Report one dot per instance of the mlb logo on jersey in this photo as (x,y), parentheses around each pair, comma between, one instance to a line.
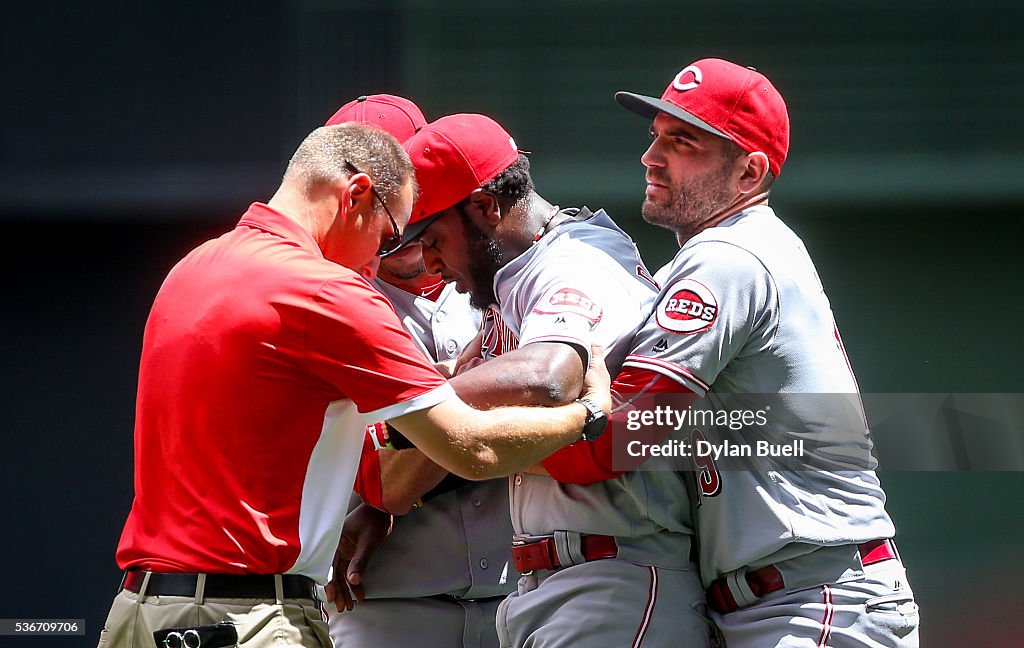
(570,300)
(688,307)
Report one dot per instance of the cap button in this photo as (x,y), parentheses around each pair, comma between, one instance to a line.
(362,98)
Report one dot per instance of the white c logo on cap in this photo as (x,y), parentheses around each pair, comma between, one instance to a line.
(678,84)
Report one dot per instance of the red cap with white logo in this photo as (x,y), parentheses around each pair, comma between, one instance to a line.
(391,113)
(725,99)
(453,156)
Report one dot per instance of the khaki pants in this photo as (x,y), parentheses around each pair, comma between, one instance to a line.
(291,622)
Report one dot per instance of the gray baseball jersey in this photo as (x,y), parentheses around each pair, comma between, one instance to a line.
(457,545)
(584,283)
(742,311)
(441,327)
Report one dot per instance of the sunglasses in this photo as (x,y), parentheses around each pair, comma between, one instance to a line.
(393,242)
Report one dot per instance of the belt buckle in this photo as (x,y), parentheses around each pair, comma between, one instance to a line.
(526,539)
(519,539)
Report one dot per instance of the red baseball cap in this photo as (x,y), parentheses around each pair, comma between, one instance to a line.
(725,99)
(396,115)
(453,156)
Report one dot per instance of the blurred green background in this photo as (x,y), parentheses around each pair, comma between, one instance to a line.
(133,131)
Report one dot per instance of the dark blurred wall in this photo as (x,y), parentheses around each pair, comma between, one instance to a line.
(131,133)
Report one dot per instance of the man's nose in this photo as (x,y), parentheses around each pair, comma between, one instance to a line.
(653,156)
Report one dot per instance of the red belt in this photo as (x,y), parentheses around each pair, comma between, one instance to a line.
(769,579)
(541,553)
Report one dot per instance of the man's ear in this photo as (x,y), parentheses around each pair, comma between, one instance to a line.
(754,169)
(355,190)
(483,208)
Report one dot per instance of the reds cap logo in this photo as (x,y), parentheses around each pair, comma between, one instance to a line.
(570,300)
(688,78)
(688,307)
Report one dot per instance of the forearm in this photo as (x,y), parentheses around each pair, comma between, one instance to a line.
(532,375)
(406,475)
(513,439)
(482,445)
(542,373)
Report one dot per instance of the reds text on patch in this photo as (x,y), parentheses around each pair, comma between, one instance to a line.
(570,300)
(688,307)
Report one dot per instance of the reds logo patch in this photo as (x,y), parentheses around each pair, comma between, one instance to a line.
(688,307)
(570,300)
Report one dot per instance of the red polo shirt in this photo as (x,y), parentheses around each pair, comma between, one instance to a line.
(262,363)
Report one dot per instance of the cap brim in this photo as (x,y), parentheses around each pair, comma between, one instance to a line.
(414,230)
(649,107)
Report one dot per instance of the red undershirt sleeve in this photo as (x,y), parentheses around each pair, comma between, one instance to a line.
(368,480)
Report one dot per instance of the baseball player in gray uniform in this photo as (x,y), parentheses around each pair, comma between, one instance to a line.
(788,557)
(449,599)
(604,564)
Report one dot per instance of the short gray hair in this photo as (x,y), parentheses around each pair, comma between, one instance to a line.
(321,158)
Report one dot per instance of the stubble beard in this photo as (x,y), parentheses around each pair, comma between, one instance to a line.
(692,203)
(485,259)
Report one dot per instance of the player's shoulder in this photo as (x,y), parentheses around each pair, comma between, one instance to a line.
(755,230)
(715,256)
(590,237)
(590,226)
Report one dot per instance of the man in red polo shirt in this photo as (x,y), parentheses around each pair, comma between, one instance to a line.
(264,357)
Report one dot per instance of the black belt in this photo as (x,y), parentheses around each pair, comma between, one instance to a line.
(449,598)
(228,586)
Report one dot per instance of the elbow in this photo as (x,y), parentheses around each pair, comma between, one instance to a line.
(559,380)
(560,392)
(479,465)
(552,387)
(477,472)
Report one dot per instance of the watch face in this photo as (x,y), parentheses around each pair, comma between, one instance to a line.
(596,421)
(595,428)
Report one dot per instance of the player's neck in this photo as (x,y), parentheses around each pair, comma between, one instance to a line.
(519,229)
(739,204)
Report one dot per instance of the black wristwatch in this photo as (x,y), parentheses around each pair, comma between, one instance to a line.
(596,420)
